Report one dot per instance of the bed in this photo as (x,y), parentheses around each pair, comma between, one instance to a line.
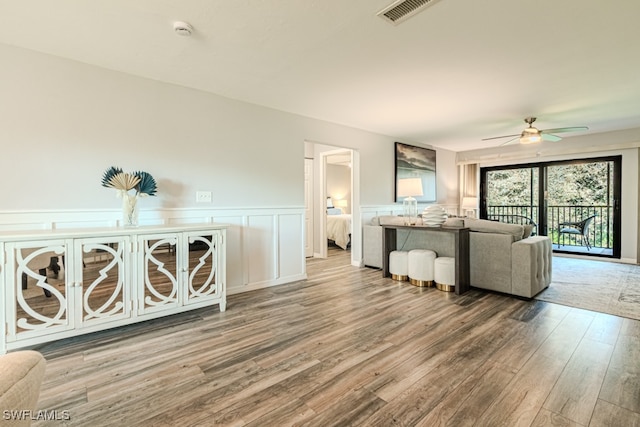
(339,229)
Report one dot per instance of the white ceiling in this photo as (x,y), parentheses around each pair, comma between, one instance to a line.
(459,71)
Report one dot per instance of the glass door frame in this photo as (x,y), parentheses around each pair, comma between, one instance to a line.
(542,219)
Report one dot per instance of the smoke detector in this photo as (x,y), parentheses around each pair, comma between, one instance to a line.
(182,28)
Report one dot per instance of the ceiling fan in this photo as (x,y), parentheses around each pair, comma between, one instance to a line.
(532,135)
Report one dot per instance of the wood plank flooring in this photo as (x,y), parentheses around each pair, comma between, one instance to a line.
(349,348)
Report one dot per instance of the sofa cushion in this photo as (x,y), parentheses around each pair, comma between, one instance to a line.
(485,226)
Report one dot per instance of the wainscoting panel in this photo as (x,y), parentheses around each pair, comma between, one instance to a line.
(265,246)
(291,260)
(237,276)
(261,238)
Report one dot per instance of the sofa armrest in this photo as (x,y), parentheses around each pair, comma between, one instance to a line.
(531,263)
(490,261)
(21,375)
(372,245)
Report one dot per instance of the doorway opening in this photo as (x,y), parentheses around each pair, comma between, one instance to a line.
(336,191)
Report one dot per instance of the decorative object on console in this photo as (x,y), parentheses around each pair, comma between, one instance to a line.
(142,183)
(407,188)
(434,216)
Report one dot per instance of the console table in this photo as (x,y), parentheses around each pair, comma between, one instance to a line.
(461,248)
(108,277)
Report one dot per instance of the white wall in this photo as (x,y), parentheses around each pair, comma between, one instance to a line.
(64,123)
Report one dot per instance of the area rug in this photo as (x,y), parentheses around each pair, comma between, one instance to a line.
(602,286)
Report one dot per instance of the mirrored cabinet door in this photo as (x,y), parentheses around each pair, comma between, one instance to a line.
(57,284)
(37,289)
(201,261)
(158,278)
(103,274)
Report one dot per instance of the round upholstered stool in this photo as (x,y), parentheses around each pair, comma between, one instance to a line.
(445,273)
(421,267)
(399,265)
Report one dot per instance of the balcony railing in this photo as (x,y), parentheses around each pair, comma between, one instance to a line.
(515,215)
(600,231)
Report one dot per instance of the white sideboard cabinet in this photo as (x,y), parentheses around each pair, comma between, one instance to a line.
(61,283)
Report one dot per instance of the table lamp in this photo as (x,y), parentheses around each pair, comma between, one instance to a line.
(408,188)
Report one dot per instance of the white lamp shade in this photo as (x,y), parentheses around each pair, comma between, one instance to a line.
(409,187)
(469,202)
(329,202)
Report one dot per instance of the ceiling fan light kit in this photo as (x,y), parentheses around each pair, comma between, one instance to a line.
(530,139)
(532,135)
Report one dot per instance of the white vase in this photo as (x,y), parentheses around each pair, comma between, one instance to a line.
(434,216)
(129,210)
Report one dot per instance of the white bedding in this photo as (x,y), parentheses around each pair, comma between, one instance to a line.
(339,229)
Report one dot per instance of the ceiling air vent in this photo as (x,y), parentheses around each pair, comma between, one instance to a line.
(403,9)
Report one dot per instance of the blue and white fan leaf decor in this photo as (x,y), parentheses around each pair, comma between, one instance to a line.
(109,174)
(142,184)
(147,185)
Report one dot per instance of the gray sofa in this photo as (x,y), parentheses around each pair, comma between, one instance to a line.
(21,375)
(502,257)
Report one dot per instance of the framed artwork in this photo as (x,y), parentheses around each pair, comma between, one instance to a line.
(416,162)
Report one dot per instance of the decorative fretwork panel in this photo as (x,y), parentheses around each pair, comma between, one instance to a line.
(159,273)
(201,262)
(102,274)
(38,293)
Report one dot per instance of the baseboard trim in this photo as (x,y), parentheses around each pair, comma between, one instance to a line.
(266,284)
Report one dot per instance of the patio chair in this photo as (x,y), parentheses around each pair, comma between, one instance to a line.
(579,228)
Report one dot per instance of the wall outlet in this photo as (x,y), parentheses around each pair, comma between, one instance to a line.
(203,197)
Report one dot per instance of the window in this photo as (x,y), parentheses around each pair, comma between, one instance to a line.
(556,197)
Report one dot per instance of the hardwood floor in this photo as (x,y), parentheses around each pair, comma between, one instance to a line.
(347,347)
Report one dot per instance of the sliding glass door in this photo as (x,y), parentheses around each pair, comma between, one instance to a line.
(576,203)
(512,196)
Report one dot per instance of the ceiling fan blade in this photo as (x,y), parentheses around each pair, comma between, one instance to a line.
(517,137)
(549,137)
(560,130)
(498,137)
